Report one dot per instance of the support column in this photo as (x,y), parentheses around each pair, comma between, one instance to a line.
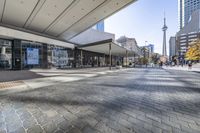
(104,60)
(122,61)
(126,58)
(81,58)
(134,59)
(17,55)
(98,62)
(74,54)
(3,50)
(110,56)
(44,56)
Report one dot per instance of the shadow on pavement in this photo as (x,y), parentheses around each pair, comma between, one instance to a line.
(117,103)
(6,76)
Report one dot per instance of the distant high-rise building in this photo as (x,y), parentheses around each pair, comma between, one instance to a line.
(172,47)
(164,49)
(99,26)
(151,48)
(185,10)
(188,34)
(148,50)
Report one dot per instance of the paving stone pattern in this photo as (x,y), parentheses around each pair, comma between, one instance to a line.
(4,85)
(133,101)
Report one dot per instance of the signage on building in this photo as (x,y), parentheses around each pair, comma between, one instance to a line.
(32,56)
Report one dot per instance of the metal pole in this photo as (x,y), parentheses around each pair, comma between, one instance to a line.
(110,58)
(126,58)
(74,54)
(134,60)
(104,60)
(81,58)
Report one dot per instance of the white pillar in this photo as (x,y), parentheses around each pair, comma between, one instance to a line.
(3,50)
(81,58)
(110,56)
(126,58)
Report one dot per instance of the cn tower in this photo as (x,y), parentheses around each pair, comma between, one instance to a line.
(164,52)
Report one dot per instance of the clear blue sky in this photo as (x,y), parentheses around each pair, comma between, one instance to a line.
(143,20)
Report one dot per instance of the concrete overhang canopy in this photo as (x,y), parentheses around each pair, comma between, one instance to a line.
(62,19)
(103,47)
(16,34)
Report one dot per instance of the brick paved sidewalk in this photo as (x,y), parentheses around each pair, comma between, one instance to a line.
(36,78)
(6,76)
(132,101)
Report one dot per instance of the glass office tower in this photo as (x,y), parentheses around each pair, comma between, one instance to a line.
(185,10)
(99,26)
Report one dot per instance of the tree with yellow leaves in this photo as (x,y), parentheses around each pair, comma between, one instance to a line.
(193,52)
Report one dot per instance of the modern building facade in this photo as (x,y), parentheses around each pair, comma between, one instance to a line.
(130,43)
(172,47)
(151,48)
(90,36)
(188,34)
(184,40)
(185,10)
(36,33)
(126,42)
(147,50)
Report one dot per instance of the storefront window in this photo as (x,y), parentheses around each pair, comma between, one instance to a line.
(31,54)
(34,55)
(5,54)
(59,57)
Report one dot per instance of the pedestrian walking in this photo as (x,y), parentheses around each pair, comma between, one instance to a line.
(160,64)
(190,65)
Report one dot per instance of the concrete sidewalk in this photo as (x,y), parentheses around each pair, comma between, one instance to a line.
(37,78)
(11,75)
(195,68)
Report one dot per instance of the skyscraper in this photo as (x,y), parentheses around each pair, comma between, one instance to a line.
(151,48)
(188,34)
(164,52)
(99,26)
(185,10)
(172,47)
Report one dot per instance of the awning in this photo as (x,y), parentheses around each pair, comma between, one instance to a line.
(62,19)
(103,47)
(16,34)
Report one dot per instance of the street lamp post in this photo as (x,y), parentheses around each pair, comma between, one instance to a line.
(145,49)
(110,56)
